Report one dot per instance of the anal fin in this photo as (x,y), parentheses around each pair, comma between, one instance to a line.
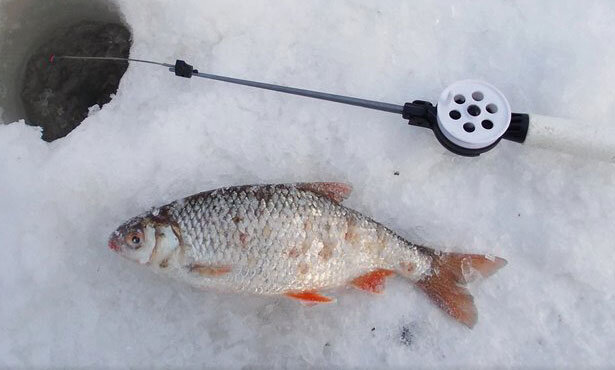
(372,282)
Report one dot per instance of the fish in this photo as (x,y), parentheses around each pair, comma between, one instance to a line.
(293,240)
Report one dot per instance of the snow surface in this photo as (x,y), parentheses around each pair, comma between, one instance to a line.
(67,300)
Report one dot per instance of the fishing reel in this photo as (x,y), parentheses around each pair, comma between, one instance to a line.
(471,117)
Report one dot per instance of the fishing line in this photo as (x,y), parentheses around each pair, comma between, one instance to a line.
(55,58)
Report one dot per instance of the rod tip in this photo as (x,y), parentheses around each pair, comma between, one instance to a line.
(52,58)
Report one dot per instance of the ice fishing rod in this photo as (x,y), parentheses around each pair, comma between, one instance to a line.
(470,117)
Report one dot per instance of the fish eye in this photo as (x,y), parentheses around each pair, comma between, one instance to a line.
(134,239)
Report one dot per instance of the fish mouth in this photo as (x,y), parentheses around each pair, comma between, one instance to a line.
(113,245)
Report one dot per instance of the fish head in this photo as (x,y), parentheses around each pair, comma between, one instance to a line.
(135,239)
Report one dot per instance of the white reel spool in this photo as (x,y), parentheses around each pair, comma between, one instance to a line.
(473,114)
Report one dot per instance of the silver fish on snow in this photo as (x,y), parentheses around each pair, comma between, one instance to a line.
(294,240)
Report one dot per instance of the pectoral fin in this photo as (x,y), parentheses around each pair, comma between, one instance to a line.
(209,270)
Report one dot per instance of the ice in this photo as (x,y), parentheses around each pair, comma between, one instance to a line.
(67,300)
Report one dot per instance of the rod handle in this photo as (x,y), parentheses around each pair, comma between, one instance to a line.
(572,137)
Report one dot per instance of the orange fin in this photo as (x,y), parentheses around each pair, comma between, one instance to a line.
(372,282)
(335,191)
(309,297)
(445,284)
(464,265)
(209,270)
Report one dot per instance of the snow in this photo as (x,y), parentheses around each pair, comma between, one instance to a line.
(67,300)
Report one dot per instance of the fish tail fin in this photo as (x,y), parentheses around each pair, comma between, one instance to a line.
(450,272)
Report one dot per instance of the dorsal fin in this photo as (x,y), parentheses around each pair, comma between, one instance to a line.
(335,191)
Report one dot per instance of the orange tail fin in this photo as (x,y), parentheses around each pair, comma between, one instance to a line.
(445,285)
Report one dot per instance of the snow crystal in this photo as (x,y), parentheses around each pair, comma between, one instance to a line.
(67,300)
